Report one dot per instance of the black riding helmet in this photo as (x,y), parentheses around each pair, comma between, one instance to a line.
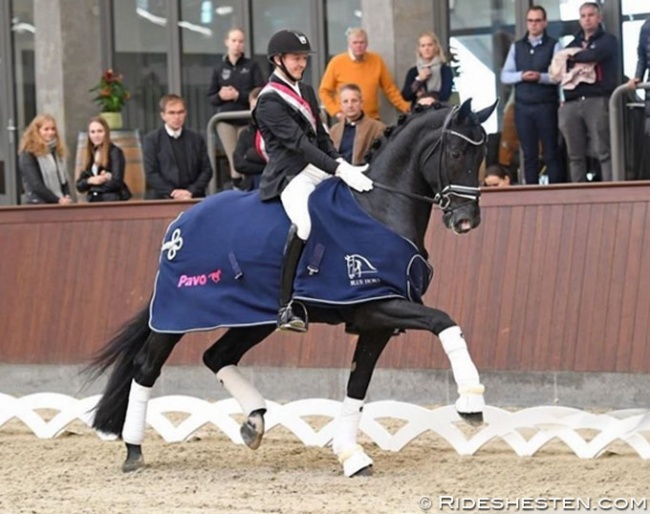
(287,42)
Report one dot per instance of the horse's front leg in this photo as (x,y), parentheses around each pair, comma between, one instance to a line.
(222,358)
(148,364)
(344,444)
(402,314)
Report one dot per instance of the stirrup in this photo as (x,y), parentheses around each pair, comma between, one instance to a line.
(288,320)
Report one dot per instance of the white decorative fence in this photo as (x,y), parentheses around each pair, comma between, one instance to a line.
(631,426)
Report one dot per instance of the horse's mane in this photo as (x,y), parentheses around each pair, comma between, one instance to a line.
(403,122)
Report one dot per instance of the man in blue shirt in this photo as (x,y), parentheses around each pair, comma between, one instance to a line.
(536,97)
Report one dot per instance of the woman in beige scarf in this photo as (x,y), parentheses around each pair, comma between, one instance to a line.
(42,165)
(431,80)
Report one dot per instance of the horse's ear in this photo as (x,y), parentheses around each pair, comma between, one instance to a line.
(484,114)
(464,111)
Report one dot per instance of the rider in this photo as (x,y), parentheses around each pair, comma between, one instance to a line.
(300,154)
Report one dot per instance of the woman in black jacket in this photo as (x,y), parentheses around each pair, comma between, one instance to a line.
(42,164)
(234,77)
(103,173)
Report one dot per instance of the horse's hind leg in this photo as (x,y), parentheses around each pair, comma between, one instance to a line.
(406,315)
(148,364)
(344,444)
(222,358)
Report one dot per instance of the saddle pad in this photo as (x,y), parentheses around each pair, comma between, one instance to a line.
(220,262)
(350,257)
(220,265)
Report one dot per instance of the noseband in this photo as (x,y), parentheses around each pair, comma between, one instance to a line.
(442,198)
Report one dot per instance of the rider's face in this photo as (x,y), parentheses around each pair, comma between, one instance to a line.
(296,64)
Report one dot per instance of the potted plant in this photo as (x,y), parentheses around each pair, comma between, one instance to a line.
(111,97)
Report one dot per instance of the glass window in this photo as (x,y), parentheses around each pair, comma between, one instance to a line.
(23,30)
(203,27)
(635,12)
(481,32)
(340,15)
(269,16)
(141,46)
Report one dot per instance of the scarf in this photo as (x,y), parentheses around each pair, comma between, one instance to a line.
(53,170)
(434,82)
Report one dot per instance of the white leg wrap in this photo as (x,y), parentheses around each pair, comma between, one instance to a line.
(453,342)
(241,389)
(470,389)
(347,425)
(345,446)
(136,414)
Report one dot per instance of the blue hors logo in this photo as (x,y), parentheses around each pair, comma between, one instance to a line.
(173,245)
(358,270)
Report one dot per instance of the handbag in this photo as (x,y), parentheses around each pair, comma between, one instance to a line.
(125,193)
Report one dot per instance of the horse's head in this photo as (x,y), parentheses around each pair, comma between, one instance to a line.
(454,173)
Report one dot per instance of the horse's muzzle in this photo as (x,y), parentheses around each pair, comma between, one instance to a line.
(462,218)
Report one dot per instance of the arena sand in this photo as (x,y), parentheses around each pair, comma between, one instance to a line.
(79,473)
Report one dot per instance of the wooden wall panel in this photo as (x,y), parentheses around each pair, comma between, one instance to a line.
(555,278)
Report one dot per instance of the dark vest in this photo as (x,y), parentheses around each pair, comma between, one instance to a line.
(539,59)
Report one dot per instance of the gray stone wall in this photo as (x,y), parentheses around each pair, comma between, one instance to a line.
(393,27)
(68,64)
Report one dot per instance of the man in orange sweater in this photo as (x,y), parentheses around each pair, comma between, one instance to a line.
(358,66)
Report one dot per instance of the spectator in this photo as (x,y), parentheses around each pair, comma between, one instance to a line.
(176,163)
(536,96)
(353,136)
(643,67)
(300,154)
(103,173)
(584,115)
(42,165)
(358,66)
(248,157)
(497,176)
(431,79)
(232,81)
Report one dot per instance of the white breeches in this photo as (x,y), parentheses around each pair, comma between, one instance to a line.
(295,197)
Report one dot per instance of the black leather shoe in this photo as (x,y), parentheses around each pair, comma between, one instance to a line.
(288,320)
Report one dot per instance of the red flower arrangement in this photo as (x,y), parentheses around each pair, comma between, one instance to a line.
(111,92)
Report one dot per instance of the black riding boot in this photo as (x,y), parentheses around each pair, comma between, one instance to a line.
(287,318)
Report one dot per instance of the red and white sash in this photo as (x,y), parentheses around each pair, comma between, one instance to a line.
(294,100)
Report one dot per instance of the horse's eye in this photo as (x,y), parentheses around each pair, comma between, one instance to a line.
(456,154)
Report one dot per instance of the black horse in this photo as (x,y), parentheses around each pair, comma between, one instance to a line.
(430,159)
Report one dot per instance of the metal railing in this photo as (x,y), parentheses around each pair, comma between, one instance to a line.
(617,127)
(211,140)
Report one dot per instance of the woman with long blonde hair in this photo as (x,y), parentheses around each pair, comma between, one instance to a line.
(431,80)
(104,163)
(41,163)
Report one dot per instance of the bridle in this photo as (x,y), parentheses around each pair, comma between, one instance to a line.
(442,198)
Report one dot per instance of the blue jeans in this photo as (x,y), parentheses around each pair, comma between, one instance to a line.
(538,123)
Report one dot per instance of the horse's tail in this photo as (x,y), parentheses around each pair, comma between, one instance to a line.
(119,352)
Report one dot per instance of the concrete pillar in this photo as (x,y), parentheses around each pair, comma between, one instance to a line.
(393,27)
(68,64)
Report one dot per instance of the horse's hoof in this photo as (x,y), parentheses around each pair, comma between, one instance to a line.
(356,463)
(364,472)
(133,464)
(252,431)
(472,418)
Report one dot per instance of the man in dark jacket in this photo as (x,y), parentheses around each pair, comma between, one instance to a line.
(176,163)
(584,116)
(536,97)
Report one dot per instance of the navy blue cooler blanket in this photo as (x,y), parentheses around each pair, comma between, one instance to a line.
(220,261)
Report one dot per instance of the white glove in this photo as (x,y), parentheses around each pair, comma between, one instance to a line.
(353,176)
